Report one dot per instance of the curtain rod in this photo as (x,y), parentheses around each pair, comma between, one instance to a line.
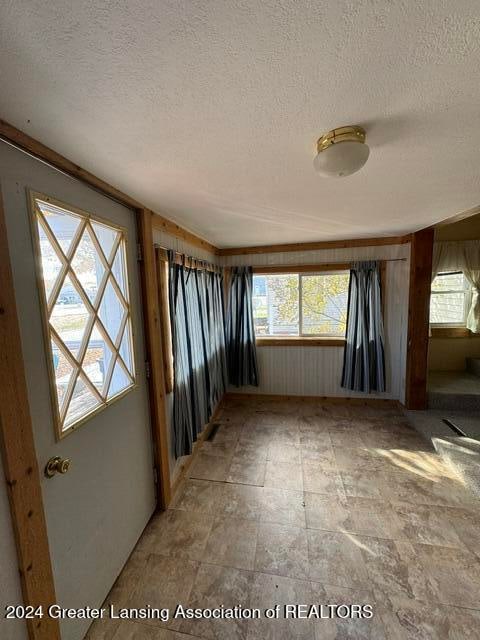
(193,263)
(189,261)
(320,263)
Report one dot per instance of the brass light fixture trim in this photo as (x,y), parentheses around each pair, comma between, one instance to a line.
(352,133)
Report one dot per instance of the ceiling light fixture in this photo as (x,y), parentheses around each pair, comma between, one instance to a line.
(341,152)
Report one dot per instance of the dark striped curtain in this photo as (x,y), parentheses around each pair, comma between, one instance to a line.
(364,355)
(198,346)
(241,347)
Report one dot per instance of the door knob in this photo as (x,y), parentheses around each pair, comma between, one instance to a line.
(57,465)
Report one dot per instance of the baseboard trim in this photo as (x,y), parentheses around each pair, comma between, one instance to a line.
(385,402)
(180,473)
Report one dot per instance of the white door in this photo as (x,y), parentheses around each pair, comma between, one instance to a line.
(97,510)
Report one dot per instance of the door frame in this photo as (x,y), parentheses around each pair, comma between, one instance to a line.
(22,473)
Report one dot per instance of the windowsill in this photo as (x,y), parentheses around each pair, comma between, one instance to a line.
(453,332)
(300,341)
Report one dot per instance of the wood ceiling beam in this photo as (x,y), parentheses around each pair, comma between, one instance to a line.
(315,246)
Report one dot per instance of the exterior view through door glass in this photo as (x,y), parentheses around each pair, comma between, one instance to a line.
(86,310)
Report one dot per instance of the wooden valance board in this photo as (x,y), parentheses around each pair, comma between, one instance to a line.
(189,262)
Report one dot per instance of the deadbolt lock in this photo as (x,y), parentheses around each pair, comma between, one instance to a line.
(57,465)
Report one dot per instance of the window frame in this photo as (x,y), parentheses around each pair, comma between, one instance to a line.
(88,217)
(302,339)
(467,302)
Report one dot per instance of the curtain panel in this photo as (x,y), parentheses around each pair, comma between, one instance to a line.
(471,270)
(241,346)
(198,347)
(364,355)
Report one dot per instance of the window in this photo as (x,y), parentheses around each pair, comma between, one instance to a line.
(450,299)
(301,304)
(83,284)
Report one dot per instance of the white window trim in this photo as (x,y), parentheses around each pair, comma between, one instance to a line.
(467,301)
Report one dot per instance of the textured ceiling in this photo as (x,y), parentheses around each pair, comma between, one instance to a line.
(208,112)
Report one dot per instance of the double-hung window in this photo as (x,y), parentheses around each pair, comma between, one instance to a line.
(450,299)
(300,304)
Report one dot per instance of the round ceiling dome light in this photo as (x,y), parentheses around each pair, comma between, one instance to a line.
(341,152)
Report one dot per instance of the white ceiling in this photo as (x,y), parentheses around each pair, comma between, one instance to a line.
(208,112)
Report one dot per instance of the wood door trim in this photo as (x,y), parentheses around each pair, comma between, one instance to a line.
(418,319)
(22,474)
(154,355)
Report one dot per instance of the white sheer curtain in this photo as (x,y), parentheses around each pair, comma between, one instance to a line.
(436,258)
(461,256)
(472,273)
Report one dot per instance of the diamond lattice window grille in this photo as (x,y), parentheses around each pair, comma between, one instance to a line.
(83,282)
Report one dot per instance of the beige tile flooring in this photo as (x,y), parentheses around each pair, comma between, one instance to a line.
(308,503)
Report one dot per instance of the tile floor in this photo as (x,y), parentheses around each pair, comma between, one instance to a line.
(302,503)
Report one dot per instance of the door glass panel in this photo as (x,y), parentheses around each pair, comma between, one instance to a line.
(106,236)
(81,403)
(70,316)
(88,266)
(120,380)
(125,349)
(63,224)
(51,264)
(118,270)
(111,311)
(97,359)
(85,285)
(63,373)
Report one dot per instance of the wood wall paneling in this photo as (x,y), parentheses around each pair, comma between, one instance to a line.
(20,460)
(173,229)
